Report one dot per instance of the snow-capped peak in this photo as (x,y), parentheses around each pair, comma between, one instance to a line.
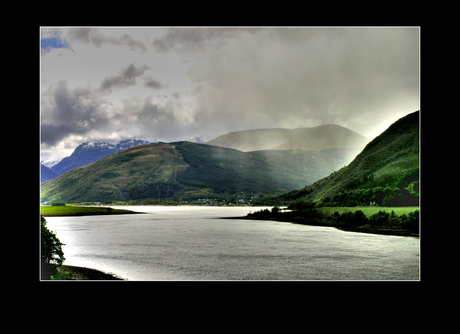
(50,163)
(201,139)
(105,145)
(130,142)
(95,145)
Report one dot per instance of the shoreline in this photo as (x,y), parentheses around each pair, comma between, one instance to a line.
(74,273)
(398,232)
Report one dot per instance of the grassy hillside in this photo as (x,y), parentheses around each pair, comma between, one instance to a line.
(313,139)
(386,170)
(129,173)
(183,169)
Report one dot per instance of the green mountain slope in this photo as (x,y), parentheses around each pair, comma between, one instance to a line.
(177,170)
(313,139)
(140,171)
(385,172)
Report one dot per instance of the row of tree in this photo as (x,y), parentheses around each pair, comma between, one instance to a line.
(305,212)
(381,219)
(375,196)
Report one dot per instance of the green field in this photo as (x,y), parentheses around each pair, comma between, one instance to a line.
(369,210)
(50,211)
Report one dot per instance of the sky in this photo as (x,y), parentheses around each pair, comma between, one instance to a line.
(169,83)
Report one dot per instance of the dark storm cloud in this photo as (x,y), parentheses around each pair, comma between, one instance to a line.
(52,134)
(80,110)
(71,111)
(126,77)
(97,38)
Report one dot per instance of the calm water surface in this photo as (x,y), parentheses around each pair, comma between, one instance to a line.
(191,243)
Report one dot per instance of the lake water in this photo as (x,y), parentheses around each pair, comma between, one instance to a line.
(191,243)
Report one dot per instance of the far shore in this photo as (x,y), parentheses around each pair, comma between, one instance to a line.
(360,229)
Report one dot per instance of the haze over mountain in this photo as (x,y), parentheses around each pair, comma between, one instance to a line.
(313,139)
(386,172)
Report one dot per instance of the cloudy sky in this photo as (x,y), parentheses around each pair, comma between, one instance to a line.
(171,83)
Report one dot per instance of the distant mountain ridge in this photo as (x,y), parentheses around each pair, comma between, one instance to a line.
(46,173)
(89,152)
(312,139)
(50,163)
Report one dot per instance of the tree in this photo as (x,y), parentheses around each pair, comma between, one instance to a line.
(301,206)
(359,218)
(51,246)
(411,220)
(380,218)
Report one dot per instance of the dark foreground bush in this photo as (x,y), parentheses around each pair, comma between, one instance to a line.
(357,218)
(410,221)
(379,219)
(301,206)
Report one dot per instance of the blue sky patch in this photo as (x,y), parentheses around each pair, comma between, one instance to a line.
(52,43)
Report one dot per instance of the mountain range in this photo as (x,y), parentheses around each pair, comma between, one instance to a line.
(309,164)
(316,139)
(185,170)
